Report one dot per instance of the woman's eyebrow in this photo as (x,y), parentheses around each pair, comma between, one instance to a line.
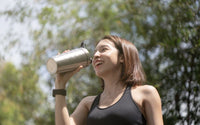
(102,46)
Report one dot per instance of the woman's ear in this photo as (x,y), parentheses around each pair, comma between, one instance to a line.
(121,58)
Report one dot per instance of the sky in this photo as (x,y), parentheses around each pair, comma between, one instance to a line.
(11,55)
(12,31)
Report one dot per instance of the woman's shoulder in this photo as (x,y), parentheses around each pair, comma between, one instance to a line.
(87,101)
(147,91)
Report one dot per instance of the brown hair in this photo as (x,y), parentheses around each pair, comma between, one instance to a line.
(132,71)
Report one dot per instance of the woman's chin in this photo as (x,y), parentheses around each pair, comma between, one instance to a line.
(99,74)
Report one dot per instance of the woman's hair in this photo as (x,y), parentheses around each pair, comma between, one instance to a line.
(132,72)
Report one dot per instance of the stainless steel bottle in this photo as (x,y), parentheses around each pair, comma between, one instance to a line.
(69,61)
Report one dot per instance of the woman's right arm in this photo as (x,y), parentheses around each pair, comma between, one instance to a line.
(61,112)
(79,116)
(62,116)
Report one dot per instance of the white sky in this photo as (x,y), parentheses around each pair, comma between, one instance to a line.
(19,31)
(4,5)
(13,30)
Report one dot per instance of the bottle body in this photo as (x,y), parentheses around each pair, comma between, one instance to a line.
(69,61)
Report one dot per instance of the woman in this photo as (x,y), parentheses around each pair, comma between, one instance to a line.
(124,100)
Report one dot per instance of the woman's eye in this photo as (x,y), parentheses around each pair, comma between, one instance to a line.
(103,49)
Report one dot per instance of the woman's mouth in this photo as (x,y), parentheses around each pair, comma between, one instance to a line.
(97,63)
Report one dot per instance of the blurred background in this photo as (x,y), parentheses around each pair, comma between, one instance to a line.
(166,33)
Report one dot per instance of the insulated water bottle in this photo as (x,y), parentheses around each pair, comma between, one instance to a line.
(69,61)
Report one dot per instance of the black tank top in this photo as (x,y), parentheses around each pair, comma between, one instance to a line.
(123,112)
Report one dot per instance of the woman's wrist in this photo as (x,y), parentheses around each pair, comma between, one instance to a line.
(59,85)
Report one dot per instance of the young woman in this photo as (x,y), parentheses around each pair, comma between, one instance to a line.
(124,100)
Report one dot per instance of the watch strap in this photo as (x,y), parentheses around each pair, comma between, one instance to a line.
(59,92)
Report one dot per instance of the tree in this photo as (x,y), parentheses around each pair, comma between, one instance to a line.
(20,95)
(172,34)
(165,32)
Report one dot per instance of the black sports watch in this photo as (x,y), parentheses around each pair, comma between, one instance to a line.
(59,92)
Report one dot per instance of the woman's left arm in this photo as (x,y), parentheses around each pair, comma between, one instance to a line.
(152,106)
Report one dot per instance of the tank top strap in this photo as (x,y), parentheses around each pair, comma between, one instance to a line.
(128,89)
(95,102)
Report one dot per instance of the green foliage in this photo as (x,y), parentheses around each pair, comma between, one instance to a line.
(20,96)
(175,34)
(10,112)
(166,33)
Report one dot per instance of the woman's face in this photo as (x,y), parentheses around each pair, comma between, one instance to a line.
(106,58)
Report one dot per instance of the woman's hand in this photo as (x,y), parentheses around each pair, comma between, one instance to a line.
(63,78)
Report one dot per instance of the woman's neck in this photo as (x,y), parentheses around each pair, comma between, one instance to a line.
(113,87)
(112,82)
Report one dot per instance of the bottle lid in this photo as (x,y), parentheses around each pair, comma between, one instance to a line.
(51,66)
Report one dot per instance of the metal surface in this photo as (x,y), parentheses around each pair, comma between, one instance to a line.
(69,61)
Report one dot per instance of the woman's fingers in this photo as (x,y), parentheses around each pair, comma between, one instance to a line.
(77,70)
(66,51)
(63,52)
(68,75)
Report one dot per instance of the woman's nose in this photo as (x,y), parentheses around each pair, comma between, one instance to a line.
(96,54)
